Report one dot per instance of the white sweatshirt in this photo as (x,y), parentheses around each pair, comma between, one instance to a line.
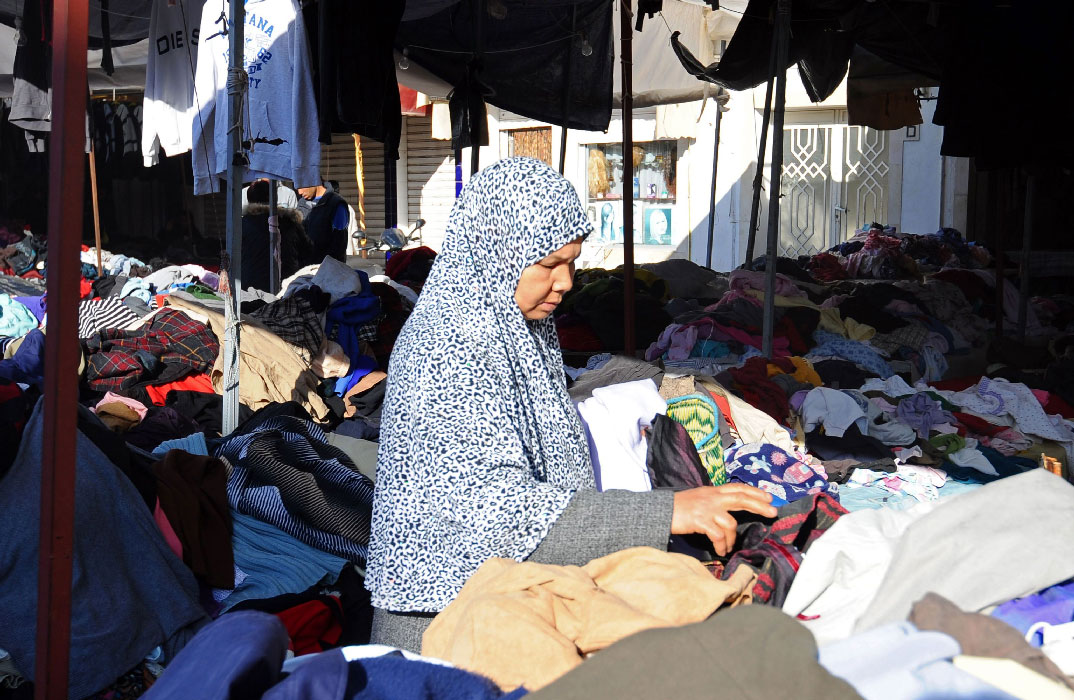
(168,108)
(279,103)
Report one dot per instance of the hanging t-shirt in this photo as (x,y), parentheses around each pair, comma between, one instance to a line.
(169,109)
(280,115)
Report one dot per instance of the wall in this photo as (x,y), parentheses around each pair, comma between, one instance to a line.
(922,165)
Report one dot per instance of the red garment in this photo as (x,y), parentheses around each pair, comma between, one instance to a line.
(753,385)
(725,409)
(32,275)
(959,384)
(85,248)
(825,267)
(313,626)
(578,337)
(400,261)
(1056,404)
(85,288)
(978,425)
(195,382)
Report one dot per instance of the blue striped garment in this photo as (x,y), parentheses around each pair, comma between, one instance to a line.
(285,473)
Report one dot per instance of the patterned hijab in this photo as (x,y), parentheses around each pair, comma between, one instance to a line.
(481,448)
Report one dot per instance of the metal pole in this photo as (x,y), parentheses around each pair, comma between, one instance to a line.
(1027,249)
(783,21)
(96,205)
(391,189)
(1001,266)
(626,28)
(712,195)
(567,90)
(274,237)
(70,24)
(480,10)
(235,92)
(758,178)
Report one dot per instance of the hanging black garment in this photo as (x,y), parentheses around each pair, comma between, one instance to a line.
(326,240)
(354,69)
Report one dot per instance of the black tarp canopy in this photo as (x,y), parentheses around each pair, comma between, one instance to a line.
(1004,69)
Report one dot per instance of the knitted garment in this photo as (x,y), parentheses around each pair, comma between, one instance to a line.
(701,418)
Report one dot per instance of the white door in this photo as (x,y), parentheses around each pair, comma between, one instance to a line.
(835,180)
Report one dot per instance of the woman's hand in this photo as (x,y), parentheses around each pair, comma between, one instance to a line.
(707,511)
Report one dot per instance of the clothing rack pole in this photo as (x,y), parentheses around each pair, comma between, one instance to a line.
(567,92)
(391,189)
(712,194)
(783,30)
(96,206)
(755,207)
(480,10)
(233,258)
(70,29)
(626,28)
(274,237)
(1030,222)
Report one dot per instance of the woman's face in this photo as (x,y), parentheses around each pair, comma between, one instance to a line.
(543,284)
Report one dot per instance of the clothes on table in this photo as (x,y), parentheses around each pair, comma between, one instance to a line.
(130,593)
(833,409)
(270,370)
(672,459)
(15,319)
(1053,605)
(894,557)
(899,661)
(614,418)
(774,550)
(526,624)
(192,493)
(285,473)
(700,415)
(272,563)
(201,383)
(695,659)
(833,345)
(922,414)
(169,347)
(96,315)
(772,469)
(243,655)
(981,635)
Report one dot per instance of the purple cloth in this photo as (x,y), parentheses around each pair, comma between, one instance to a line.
(922,413)
(1054,605)
(36,305)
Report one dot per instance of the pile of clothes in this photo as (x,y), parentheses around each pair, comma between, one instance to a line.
(273,517)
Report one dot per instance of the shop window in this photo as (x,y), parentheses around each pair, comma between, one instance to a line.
(653,187)
(534,143)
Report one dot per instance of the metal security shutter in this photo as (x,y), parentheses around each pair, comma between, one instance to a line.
(430,175)
(338,163)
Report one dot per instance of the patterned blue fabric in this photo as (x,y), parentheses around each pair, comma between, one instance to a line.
(286,474)
(481,448)
(771,469)
(832,345)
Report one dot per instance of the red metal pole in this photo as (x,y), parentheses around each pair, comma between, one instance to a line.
(67,163)
(626,28)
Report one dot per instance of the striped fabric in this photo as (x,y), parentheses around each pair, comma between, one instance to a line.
(700,416)
(286,474)
(96,315)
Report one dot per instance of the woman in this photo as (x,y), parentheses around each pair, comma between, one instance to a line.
(482,453)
